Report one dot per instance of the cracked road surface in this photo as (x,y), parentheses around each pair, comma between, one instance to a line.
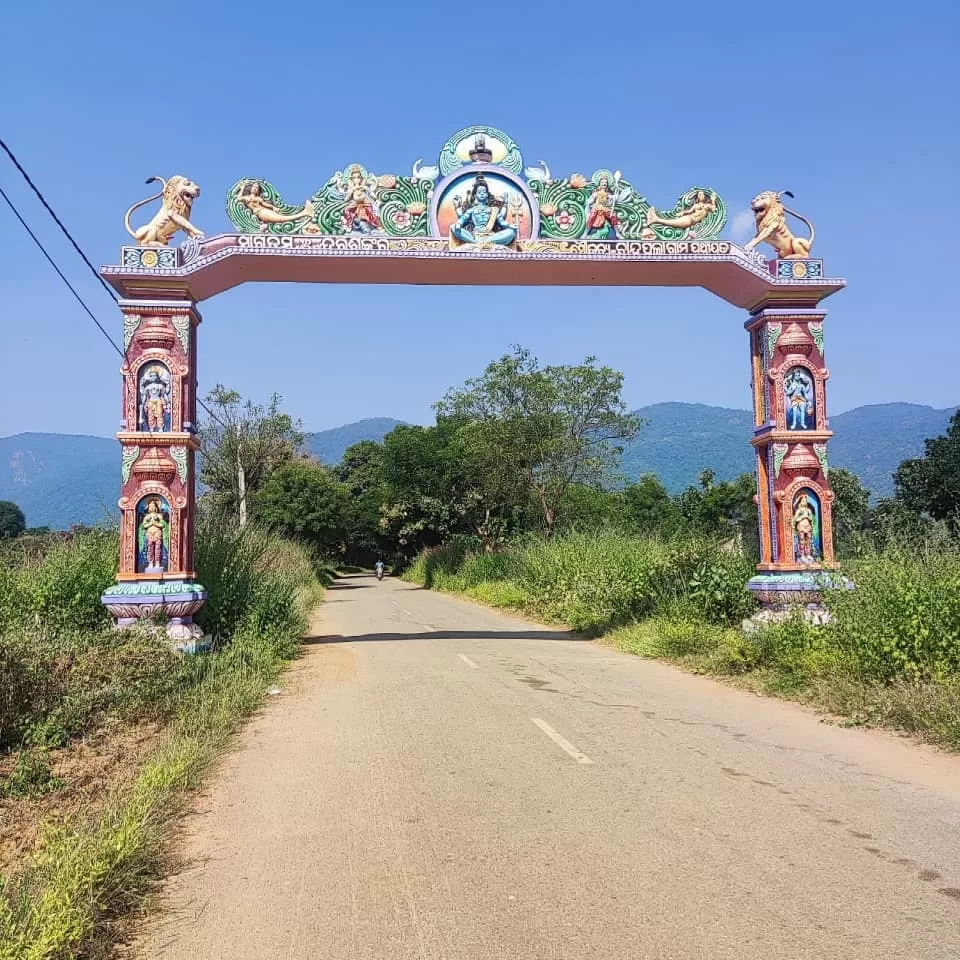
(440,781)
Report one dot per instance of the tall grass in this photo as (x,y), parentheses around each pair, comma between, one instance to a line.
(598,581)
(88,867)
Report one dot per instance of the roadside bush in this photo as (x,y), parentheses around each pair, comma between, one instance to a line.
(252,578)
(598,581)
(58,679)
(902,620)
(60,585)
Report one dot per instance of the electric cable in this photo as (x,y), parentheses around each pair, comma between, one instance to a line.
(76,295)
(59,223)
(53,264)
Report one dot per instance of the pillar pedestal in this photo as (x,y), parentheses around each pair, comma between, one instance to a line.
(156,578)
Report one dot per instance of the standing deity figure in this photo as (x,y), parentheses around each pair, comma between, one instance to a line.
(482,219)
(804,530)
(798,390)
(362,212)
(152,526)
(250,194)
(602,219)
(154,399)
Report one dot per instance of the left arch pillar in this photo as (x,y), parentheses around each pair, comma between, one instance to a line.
(156,576)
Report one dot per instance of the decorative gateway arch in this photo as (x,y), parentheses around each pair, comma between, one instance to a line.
(478,216)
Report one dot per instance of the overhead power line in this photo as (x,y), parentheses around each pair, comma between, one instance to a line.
(72,289)
(58,221)
(53,264)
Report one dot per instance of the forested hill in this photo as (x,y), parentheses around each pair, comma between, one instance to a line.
(58,480)
(328,446)
(680,439)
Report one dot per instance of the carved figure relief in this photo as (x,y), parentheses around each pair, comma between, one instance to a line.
(770,216)
(154,395)
(602,222)
(250,194)
(361,214)
(486,208)
(604,206)
(153,535)
(693,213)
(176,198)
(807,547)
(800,405)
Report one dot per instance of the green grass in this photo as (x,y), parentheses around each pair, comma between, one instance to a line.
(596,582)
(890,656)
(91,868)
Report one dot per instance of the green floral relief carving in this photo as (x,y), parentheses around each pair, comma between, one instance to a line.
(179,456)
(131,321)
(779,452)
(127,459)
(816,331)
(773,335)
(820,449)
(181,323)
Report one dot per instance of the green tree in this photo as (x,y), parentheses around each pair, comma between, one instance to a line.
(552,426)
(726,510)
(361,472)
(12,521)
(240,448)
(930,484)
(586,508)
(441,480)
(304,500)
(851,509)
(648,508)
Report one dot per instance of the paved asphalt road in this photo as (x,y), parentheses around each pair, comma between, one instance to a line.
(440,781)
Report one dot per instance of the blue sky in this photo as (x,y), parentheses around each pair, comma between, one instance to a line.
(851,107)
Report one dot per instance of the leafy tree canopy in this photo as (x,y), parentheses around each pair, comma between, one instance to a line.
(931,484)
(552,427)
(303,499)
(12,521)
(241,447)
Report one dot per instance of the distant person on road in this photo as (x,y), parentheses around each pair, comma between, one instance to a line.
(378,568)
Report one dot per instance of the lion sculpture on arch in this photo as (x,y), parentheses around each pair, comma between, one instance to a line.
(770,215)
(176,198)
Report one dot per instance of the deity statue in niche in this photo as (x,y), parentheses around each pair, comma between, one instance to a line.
(153,535)
(362,212)
(250,194)
(798,393)
(602,219)
(155,390)
(806,527)
(482,218)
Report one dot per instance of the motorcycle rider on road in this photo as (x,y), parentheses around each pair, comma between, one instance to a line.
(378,568)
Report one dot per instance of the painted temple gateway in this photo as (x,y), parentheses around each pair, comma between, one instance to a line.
(478,215)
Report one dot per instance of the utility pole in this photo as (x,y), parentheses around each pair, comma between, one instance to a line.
(241,481)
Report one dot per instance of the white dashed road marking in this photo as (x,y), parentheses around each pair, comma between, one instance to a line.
(467,660)
(560,742)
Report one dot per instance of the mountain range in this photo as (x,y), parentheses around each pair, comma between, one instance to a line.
(58,480)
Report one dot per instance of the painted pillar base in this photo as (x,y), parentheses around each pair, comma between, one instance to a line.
(172,601)
(802,588)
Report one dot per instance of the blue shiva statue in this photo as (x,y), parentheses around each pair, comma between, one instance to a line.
(798,390)
(483,219)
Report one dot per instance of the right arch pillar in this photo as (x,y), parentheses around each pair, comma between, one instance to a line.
(791,433)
